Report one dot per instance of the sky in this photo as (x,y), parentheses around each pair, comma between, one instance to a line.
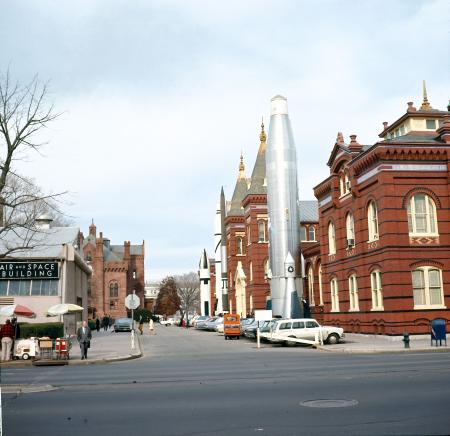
(159,98)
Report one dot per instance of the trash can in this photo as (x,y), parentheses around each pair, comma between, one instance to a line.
(438,331)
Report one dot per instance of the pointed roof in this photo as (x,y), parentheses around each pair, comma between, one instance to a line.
(258,179)
(240,191)
(426,106)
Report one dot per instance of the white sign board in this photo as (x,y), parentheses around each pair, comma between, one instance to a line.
(263,315)
(132,301)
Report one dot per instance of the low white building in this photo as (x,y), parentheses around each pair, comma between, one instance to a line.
(50,271)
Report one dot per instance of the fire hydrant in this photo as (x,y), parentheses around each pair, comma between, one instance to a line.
(406,339)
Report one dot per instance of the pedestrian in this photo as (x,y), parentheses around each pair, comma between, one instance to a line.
(84,339)
(105,322)
(141,325)
(7,335)
(110,321)
(97,324)
(151,326)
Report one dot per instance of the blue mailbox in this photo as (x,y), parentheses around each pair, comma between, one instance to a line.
(438,332)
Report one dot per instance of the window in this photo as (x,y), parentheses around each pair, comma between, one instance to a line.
(261,231)
(334,295)
(350,225)
(19,287)
(320,285)
(302,233)
(49,287)
(248,235)
(114,290)
(344,184)
(372,221)
(239,246)
(353,291)
(377,296)
(3,287)
(266,269)
(422,215)
(298,325)
(311,324)
(427,288)
(331,239)
(285,326)
(431,124)
(311,286)
(251,271)
(311,233)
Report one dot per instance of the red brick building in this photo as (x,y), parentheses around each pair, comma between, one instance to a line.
(383,261)
(117,271)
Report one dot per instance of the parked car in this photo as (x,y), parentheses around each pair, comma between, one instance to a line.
(247,323)
(123,325)
(251,329)
(210,324)
(199,319)
(303,328)
(201,325)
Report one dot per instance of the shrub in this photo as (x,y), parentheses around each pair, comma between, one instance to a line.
(51,329)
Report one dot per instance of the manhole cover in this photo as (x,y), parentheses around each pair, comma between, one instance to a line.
(329,403)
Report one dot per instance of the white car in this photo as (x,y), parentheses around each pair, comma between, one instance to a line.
(302,328)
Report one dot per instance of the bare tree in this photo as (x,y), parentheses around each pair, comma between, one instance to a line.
(24,112)
(188,287)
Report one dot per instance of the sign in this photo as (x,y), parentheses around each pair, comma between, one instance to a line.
(132,301)
(28,270)
(263,315)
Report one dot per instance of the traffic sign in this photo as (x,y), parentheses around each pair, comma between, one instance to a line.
(132,301)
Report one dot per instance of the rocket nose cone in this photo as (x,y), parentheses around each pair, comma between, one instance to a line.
(278,105)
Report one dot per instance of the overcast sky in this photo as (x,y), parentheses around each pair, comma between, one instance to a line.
(160,97)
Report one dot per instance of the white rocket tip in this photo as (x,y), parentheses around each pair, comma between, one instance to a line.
(278,105)
(289,258)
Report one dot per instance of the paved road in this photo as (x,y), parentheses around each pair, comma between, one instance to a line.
(196,383)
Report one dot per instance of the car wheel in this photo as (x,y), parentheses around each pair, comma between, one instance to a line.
(25,356)
(333,339)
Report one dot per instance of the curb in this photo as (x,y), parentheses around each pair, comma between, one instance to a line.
(28,363)
(26,389)
(375,351)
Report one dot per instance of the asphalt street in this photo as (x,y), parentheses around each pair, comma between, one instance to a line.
(196,383)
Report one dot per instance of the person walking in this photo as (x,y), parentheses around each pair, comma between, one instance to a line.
(97,324)
(141,325)
(105,322)
(7,335)
(84,338)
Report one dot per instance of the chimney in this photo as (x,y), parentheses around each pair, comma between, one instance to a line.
(43,221)
(411,108)
(354,145)
(385,125)
(106,242)
(99,246)
(126,250)
(340,138)
(444,130)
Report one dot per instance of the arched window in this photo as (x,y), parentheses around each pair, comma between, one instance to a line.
(331,238)
(113,290)
(251,271)
(311,286)
(422,215)
(334,295)
(353,291)
(302,233)
(377,295)
(372,221)
(344,183)
(311,233)
(239,245)
(319,273)
(350,226)
(261,231)
(427,288)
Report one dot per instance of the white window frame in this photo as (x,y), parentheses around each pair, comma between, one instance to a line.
(425,270)
(353,293)
(248,235)
(239,246)
(334,295)
(303,234)
(262,226)
(331,238)
(377,290)
(350,226)
(344,184)
(311,286)
(251,271)
(430,216)
(313,229)
(372,221)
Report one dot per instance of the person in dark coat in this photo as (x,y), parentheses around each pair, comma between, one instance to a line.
(84,336)
(105,322)
(97,324)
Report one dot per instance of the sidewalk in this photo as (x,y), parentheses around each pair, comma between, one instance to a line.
(105,347)
(359,343)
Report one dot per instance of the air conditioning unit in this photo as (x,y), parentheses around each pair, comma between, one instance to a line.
(350,243)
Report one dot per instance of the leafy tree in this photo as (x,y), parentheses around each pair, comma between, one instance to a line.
(168,301)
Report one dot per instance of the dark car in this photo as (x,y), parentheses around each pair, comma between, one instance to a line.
(123,325)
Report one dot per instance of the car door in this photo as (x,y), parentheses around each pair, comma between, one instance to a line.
(285,328)
(312,327)
(299,330)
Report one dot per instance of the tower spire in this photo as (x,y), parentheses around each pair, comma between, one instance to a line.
(241,167)
(262,135)
(426,106)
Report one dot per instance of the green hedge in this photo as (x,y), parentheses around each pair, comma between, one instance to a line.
(51,329)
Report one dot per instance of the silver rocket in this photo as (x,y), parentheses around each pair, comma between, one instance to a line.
(205,285)
(218,261)
(282,199)
(223,252)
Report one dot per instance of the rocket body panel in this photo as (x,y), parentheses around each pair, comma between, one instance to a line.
(205,284)
(282,199)
(218,260)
